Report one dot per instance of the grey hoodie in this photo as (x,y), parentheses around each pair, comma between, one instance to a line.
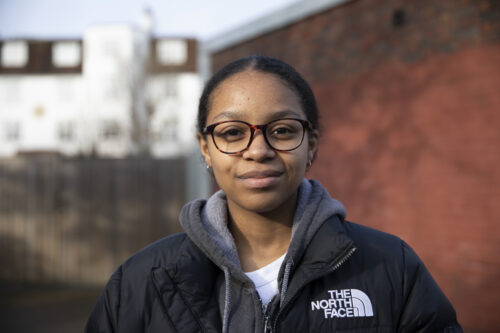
(205,222)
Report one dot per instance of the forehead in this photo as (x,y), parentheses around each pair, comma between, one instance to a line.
(254,96)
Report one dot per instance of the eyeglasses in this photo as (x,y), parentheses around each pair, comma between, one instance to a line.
(235,136)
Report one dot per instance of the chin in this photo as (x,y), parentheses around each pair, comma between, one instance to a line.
(263,202)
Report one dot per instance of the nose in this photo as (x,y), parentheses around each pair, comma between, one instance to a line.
(259,150)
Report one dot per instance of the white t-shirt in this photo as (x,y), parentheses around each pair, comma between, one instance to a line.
(266,279)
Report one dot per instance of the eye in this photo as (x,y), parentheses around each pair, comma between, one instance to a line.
(230,133)
(282,130)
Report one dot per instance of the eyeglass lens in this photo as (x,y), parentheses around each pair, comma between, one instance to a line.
(235,136)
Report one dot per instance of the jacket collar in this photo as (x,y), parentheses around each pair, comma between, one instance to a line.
(328,248)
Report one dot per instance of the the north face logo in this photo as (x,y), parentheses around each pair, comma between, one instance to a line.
(344,303)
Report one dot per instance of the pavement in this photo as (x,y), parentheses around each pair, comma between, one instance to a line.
(45,308)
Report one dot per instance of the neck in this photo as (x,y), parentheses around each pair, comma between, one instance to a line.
(261,238)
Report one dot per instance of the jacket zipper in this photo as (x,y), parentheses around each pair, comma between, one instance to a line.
(339,263)
(265,312)
(267,326)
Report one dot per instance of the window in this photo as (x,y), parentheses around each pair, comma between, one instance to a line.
(14,54)
(65,131)
(66,54)
(12,131)
(171,51)
(111,130)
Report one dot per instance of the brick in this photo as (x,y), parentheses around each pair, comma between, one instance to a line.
(410,118)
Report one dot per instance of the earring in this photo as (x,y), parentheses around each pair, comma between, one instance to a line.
(207,166)
(309,163)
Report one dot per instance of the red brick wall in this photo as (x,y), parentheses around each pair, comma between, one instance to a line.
(415,151)
(411,130)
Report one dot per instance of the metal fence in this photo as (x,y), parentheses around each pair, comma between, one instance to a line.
(75,220)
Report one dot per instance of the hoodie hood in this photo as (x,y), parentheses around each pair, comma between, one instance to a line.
(205,222)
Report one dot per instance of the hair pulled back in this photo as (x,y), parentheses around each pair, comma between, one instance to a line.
(266,65)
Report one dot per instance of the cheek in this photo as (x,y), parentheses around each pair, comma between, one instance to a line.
(296,164)
(221,164)
(213,154)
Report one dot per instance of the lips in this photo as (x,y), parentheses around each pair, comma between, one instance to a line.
(260,179)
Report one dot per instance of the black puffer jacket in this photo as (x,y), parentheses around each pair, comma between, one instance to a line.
(337,277)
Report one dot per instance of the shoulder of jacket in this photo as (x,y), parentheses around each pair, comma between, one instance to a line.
(362,231)
(376,242)
(162,252)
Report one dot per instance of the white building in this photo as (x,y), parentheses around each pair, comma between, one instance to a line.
(115,92)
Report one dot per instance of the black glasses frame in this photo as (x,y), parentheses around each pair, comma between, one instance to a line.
(306,125)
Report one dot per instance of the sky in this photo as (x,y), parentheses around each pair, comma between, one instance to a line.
(204,19)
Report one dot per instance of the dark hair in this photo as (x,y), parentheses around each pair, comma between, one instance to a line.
(266,65)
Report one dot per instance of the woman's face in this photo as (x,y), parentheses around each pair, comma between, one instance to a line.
(259,179)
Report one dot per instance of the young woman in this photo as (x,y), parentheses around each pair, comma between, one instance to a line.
(270,251)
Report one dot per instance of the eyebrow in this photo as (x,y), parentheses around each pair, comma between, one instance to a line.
(228,114)
(237,115)
(286,113)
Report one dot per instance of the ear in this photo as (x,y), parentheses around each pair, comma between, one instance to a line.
(204,148)
(313,141)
